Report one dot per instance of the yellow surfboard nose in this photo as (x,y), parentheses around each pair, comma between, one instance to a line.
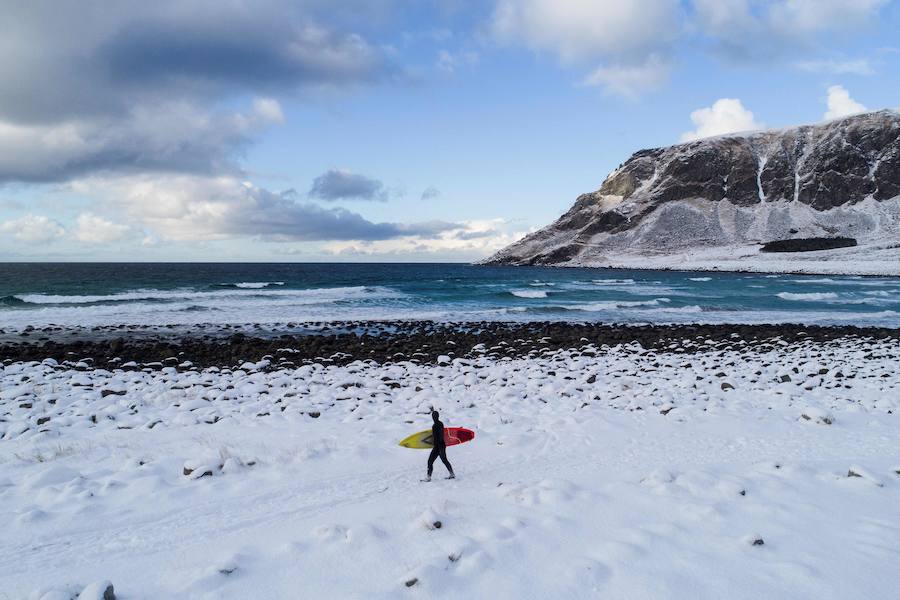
(420,440)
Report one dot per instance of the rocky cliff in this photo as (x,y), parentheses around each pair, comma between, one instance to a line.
(716,200)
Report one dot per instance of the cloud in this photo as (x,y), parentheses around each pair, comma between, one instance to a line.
(748,30)
(824,15)
(341,184)
(840,104)
(172,136)
(430,193)
(267,110)
(475,234)
(630,81)
(93,229)
(726,115)
(837,67)
(586,30)
(449,62)
(188,208)
(471,239)
(87,58)
(89,88)
(621,41)
(34,229)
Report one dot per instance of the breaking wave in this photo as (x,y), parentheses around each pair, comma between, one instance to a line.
(810,297)
(186,294)
(249,285)
(528,293)
(612,281)
(615,304)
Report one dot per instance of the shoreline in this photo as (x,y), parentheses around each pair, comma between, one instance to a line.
(423,342)
(698,269)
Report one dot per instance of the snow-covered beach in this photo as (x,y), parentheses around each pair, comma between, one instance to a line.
(716,466)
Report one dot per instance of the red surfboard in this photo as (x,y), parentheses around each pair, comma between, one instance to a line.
(452,437)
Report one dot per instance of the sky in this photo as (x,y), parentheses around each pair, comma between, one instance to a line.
(385,130)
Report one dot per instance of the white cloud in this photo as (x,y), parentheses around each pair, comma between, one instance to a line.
(630,81)
(837,67)
(621,40)
(750,29)
(94,229)
(824,15)
(721,17)
(840,104)
(35,229)
(449,62)
(201,208)
(585,29)
(726,115)
(471,240)
(268,109)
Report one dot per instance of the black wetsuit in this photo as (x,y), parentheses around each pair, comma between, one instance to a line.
(440,448)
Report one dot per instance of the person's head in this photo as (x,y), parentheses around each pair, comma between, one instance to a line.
(435,415)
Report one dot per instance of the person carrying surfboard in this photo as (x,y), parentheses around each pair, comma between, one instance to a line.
(440,447)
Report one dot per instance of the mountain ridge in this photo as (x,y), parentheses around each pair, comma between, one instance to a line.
(735,192)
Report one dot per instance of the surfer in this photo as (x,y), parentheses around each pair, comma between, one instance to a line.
(440,447)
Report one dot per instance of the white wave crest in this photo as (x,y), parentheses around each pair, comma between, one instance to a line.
(314,294)
(528,293)
(612,281)
(255,285)
(700,278)
(810,297)
(615,304)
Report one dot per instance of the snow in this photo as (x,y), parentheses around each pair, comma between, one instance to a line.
(877,259)
(654,480)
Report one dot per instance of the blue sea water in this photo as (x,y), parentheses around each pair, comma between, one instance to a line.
(186,294)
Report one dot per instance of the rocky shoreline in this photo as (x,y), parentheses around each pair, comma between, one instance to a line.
(386,342)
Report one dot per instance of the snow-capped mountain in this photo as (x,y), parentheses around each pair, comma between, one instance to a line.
(710,204)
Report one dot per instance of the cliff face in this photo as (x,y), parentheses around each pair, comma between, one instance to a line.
(840,178)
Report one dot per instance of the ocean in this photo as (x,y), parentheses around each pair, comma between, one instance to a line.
(94,294)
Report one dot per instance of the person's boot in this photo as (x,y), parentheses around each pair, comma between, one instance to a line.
(427,478)
(452,476)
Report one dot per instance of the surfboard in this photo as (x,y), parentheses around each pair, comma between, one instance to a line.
(452,437)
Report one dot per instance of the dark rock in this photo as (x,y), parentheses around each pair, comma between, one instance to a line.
(808,244)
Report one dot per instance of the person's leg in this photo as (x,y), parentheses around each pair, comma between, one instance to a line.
(446,462)
(431,458)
